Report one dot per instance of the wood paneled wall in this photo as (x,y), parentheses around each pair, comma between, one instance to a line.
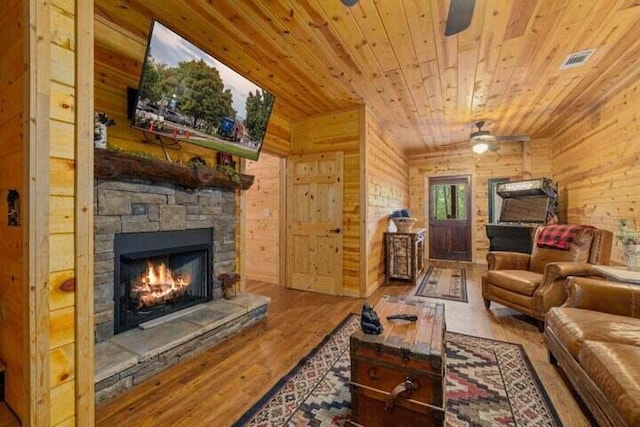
(595,162)
(264,219)
(13,282)
(61,218)
(339,131)
(512,160)
(386,186)
(119,54)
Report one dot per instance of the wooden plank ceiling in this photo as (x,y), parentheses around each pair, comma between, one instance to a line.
(318,56)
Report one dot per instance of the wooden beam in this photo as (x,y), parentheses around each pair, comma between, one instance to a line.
(117,165)
(37,146)
(84,336)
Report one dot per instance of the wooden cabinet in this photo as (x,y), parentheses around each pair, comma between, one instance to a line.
(405,254)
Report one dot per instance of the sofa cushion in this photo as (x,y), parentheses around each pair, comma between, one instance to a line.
(573,326)
(615,369)
(519,281)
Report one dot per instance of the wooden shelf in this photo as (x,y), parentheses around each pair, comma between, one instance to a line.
(119,165)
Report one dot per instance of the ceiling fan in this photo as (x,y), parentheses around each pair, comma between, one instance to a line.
(482,140)
(458,19)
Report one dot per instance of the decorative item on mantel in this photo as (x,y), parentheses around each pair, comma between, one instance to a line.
(100,124)
(630,240)
(402,220)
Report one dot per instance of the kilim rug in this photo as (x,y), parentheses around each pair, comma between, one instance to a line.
(489,383)
(444,283)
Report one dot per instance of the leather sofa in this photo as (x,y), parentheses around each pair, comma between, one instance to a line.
(595,339)
(534,283)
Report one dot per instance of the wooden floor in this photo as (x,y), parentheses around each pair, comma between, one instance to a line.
(217,386)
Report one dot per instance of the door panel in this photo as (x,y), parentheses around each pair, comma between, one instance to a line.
(314,223)
(450,218)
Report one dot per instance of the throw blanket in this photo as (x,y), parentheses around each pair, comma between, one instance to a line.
(559,236)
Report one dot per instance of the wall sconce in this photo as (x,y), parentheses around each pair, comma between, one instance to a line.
(13,208)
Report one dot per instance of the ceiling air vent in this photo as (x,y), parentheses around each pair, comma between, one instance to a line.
(576,59)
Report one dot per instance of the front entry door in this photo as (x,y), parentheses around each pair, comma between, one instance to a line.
(314,223)
(450,218)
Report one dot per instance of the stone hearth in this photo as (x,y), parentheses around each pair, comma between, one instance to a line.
(133,356)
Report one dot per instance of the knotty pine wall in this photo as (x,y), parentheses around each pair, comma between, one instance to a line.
(13,281)
(39,128)
(64,129)
(596,163)
(264,219)
(339,131)
(513,160)
(386,186)
(119,53)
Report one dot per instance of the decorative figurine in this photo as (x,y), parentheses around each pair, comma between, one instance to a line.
(100,125)
(369,321)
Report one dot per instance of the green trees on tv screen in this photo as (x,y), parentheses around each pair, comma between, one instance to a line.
(196,90)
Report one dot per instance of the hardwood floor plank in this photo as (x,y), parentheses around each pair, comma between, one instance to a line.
(217,386)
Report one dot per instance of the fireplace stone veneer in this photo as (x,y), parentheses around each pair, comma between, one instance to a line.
(136,207)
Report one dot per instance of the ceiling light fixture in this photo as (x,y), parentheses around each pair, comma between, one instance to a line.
(349,3)
(480,147)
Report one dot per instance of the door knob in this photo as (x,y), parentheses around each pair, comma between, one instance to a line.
(335,230)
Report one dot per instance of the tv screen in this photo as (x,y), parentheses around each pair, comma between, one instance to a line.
(188,95)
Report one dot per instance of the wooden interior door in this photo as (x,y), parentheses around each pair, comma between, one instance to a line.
(450,218)
(314,223)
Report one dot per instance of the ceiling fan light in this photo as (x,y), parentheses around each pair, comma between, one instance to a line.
(349,3)
(480,147)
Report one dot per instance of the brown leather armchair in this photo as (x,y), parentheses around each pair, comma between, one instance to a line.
(534,283)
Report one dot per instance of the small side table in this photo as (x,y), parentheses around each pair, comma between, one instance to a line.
(619,274)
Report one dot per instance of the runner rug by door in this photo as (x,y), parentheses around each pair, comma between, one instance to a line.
(444,283)
(489,383)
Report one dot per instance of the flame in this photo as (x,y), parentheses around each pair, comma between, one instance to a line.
(158,285)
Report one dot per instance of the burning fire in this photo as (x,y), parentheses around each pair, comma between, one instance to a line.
(158,286)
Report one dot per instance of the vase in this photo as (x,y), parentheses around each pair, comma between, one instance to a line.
(632,256)
(100,135)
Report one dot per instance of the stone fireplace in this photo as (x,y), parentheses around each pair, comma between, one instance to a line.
(136,222)
(183,240)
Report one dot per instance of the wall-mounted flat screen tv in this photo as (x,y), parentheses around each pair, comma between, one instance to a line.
(188,95)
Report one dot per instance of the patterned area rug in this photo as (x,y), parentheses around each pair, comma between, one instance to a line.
(489,383)
(444,283)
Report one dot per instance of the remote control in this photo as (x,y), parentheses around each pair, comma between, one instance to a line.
(409,317)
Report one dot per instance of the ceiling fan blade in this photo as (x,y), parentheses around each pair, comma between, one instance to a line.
(514,138)
(459,18)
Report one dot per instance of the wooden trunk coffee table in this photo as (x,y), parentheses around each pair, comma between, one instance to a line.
(398,377)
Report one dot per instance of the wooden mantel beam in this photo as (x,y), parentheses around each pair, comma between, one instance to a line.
(112,165)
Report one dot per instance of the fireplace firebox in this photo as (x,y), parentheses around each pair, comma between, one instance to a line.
(159,273)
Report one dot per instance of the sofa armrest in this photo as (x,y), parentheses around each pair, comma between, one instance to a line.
(560,270)
(622,299)
(498,260)
(552,291)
